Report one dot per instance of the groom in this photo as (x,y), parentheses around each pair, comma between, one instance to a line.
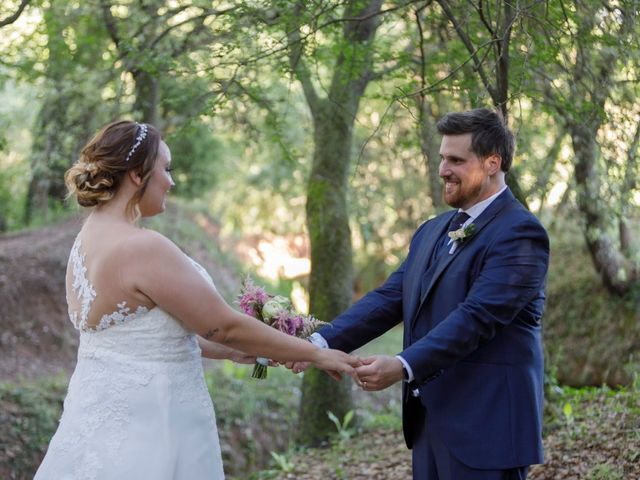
(470,295)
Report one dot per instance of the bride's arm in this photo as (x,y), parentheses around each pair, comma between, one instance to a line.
(216,351)
(160,271)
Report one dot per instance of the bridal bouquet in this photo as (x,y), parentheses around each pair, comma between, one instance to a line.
(277,312)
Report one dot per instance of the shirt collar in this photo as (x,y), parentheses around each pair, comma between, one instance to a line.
(475,210)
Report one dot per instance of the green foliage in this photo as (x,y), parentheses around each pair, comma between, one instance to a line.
(15,118)
(11,181)
(255,417)
(284,464)
(567,411)
(579,314)
(344,428)
(598,423)
(195,153)
(605,471)
(29,414)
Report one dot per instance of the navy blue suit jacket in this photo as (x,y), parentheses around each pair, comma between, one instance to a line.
(473,339)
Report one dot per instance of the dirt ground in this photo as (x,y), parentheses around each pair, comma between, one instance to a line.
(35,334)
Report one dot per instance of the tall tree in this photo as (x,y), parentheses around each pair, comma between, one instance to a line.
(593,66)
(71,103)
(152,36)
(333,115)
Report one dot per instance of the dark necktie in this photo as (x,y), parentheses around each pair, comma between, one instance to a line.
(456,222)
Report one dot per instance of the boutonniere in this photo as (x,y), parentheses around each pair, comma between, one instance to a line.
(463,233)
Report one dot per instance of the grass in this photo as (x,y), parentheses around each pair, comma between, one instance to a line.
(29,413)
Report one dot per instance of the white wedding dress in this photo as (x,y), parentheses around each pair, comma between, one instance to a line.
(137,406)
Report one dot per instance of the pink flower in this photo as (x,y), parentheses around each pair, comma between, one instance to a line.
(252,298)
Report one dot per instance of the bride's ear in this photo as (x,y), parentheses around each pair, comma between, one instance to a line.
(136,177)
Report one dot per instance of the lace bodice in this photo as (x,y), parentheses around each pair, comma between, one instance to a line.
(87,294)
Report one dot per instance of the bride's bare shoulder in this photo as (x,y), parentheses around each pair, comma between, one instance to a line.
(145,243)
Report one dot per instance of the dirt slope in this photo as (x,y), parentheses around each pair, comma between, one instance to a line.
(35,337)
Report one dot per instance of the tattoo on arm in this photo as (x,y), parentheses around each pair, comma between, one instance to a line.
(210,333)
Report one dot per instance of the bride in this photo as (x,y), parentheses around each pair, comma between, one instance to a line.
(137,406)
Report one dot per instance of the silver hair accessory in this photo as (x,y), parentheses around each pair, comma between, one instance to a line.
(142,134)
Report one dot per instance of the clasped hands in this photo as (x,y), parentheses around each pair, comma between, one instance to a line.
(373,373)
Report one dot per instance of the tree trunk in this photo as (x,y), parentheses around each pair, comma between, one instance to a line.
(624,233)
(331,278)
(590,88)
(147,96)
(430,146)
(617,272)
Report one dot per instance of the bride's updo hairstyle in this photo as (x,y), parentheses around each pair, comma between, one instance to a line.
(119,147)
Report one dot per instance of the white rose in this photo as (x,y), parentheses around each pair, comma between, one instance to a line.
(274,306)
(457,234)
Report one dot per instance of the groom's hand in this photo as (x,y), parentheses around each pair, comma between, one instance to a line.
(379,372)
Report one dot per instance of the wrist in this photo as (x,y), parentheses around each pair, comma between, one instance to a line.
(407,372)
(316,355)
(400,372)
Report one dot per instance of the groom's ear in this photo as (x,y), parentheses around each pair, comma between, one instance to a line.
(492,163)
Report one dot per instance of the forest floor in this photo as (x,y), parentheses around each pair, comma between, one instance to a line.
(595,437)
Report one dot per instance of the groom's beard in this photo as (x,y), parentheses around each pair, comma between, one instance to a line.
(460,195)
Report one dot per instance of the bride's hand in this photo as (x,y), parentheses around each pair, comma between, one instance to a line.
(243,358)
(335,363)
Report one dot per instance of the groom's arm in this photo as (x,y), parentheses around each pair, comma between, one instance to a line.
(375,313)
(368,318)
(371,316)
(512,278)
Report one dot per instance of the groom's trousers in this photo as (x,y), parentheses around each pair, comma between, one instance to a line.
(432,460)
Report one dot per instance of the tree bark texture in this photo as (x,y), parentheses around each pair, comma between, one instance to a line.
(593,72)
(617,272)
(147,96)
(331,278)
(430,146)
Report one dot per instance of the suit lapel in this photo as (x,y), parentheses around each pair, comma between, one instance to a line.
(482,221)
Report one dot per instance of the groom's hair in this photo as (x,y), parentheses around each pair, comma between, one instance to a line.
(489,133)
